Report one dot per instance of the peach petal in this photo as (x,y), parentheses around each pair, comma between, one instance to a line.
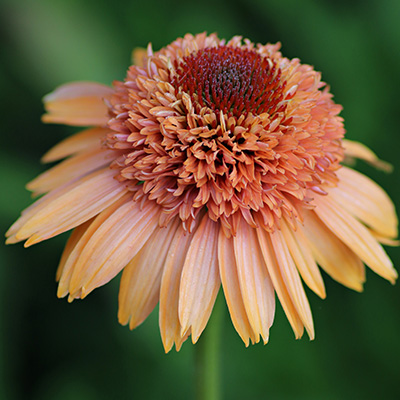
(355,149)
(366,201)
(255,283)
(70,169)
(78,104)
(279,284)
(356,236)
(200,279)
(39,206)
(231,287)
(170,327)
(82,141)
(73,256)
(285,266)
(116,241)
(338,261)
(76,235)
(303,258)
(33,209)
(141,278)
(139,54)
(85,199)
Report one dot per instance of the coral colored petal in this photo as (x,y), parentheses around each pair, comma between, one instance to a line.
(231,287)
(33,209)
(365,200)
(85,199)
(70,169)
(356,236)
(76,235)
(116,241)
(39,206)
(170,327)
(78,104)
(290,277)
(255,283)
(303,259)
(279,284)
(81,141)
(200,279)
(332,254)
(354,149)
(74,254)
(141,278)
(139,54)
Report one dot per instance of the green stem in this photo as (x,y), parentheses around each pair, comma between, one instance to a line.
(207,357)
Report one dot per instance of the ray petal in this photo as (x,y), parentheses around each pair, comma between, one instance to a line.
(338,261)
(170,327)
(255,282)
(279,252)
(355,149)
(279,284)
(84,199)
(76,235)
(141,278)
(200,279)
(116,241)
(303,258)
(78,104)
(365,200)
(81,141)
(231,287)
(71,257)
(70,169)
(356,236)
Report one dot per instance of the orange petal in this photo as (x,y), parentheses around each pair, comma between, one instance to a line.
(279,284)
(303,258)
(70,169)
(365,200)
(83,200)
(69,247)
(139,55)
(255,283)
(356,236)
(332,255)
(231,287)
(33,209)
(116,241)
(200,279)
(354,149)
(81,141)
(141,278)
(74,254)
(286,280)
(170,327)
(78,104)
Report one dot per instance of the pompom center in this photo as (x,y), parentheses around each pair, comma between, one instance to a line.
(233,80)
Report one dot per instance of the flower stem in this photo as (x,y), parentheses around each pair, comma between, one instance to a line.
(207,360)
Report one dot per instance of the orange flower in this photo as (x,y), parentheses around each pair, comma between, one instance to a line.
(213,162)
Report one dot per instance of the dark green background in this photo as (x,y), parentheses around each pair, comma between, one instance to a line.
(54,350)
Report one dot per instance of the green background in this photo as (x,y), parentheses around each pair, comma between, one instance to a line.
(54,350)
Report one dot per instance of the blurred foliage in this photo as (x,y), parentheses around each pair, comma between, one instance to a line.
(54,350)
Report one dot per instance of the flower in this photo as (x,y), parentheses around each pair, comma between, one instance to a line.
(214,162)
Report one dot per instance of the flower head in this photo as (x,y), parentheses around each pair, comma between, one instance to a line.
(212,162)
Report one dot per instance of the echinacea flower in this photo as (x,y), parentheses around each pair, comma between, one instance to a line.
(214,162)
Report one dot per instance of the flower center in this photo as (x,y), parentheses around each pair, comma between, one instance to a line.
(233,80)
(256,140)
